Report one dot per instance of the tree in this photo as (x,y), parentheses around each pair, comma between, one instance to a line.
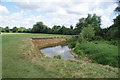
(80,25)
(21,29)
(56,29)
(29,30)
(39,27)
(87,33)
(14,29)
(71,27)
(113,29)
(6,29)
(93,20)
(117,9)
(2,29)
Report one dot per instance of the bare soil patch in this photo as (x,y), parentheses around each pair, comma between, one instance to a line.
(45,42)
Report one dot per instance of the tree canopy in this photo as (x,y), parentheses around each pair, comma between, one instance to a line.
(92,20)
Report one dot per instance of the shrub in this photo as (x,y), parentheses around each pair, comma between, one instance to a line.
(77,50)
(57,57)
(72,42)
(114,42)
(101,52)
(87,32)
(97,38)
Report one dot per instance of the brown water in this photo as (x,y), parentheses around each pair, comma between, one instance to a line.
(63,51)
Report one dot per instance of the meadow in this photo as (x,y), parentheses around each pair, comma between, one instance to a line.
(17,63)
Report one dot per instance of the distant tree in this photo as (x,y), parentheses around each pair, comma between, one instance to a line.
(62,30)
(29,30)
(56,29)
(21,29)
(39,27)
(14,29)
(2,29)
(71,27)
(6,29)
(48,30)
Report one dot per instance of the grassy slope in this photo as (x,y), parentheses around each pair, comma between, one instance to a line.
(101,51)
(17,63)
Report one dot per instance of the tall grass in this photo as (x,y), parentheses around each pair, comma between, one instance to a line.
(100,52)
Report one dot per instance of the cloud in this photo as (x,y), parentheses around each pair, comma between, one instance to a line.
(57,1)
(18,19)
(59,12)
(3,10)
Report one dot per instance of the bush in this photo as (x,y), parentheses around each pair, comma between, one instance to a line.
(97,38)
(101,52)
(57,57)
(72,42)
(114,42)
(77,50)
(87,33)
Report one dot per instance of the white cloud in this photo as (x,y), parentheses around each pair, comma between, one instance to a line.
(57,1)
(3,10)
(58,12)
(18,19)
(106,22)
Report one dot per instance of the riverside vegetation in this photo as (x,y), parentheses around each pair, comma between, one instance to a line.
(21,59)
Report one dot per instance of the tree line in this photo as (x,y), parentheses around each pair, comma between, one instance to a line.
(89,27)
(15,30)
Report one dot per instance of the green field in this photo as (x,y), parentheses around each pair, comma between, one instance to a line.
(17,64)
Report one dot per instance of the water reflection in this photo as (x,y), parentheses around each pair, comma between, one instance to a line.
(63,51)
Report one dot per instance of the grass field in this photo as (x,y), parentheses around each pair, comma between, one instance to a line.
(18,64)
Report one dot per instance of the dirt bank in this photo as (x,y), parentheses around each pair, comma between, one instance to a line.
(45,42)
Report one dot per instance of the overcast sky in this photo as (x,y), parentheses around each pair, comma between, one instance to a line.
(54,12)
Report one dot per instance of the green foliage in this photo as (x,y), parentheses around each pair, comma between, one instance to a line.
(15,29)
(97,38)
(57,57)
(62,30)
(93,20)
(0,29)
(117,9)
(113,30)
(16,64)
(39,27)
(78,50)
(55,29)
(29,30)
(6,29)
(87,33)
(21,29)
(114,42)
(72,42)
(100,52)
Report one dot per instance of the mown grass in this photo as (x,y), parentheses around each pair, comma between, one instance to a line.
(21,60)
(100,51)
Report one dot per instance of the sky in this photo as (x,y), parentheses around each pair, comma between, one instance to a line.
(25,13)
